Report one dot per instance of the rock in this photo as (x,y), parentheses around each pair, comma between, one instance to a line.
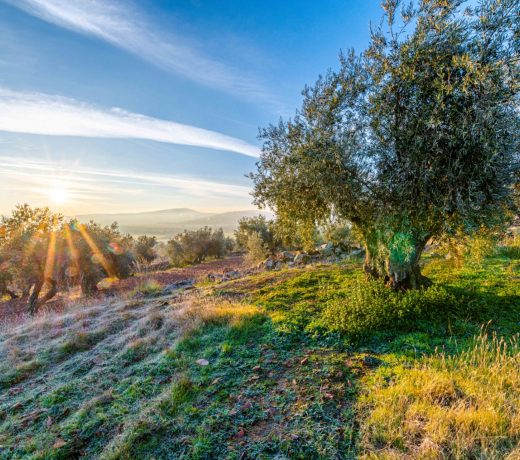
(232,275)
(202,362)
(326,249)
(186,284)
(371,361)
(286,256)
(357,252)
(302,258)
(269,264)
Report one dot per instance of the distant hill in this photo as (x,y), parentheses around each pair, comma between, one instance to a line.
(166,222)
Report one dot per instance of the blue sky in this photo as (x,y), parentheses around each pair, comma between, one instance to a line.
(123,105)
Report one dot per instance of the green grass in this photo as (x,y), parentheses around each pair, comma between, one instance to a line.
(461,406)
(147,288)
(303,364)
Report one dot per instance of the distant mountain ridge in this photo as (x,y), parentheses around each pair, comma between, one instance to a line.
(165,223)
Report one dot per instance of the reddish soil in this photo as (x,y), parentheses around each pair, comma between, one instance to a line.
(174,275)
(15,311)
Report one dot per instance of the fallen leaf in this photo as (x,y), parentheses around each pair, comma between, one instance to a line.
(58,443)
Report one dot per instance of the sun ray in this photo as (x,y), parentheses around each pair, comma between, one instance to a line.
(72,249)
(106,265)
(51,257)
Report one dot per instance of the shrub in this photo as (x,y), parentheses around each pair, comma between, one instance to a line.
(195,246)
(257,249)
(249,226)
(340,235)
(144,248)
(371,306)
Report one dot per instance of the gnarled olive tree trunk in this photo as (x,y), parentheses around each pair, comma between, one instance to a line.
(35,302)
(394,258)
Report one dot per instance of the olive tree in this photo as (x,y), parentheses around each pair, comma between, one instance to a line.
(30,250)
(41,254)
(414,138)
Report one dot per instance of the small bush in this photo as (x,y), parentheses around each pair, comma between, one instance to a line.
(195,246)
(257,249)
(371,306)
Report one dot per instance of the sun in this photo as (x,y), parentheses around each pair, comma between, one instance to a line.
(58,195)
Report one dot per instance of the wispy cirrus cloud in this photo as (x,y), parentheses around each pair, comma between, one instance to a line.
(128,29)
(74,176)
(37,113)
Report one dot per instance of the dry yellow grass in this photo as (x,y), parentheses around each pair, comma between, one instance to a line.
(457,407)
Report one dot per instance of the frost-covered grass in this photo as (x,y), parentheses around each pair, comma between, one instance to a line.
(268,367)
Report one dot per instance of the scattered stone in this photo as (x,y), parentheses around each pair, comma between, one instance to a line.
(302,258)
(185,284)
(202,362)
(214,277)
(286,256)
(269,263)
(371,361)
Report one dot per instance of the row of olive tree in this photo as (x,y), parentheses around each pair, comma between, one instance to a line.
(415,139)
(42,253)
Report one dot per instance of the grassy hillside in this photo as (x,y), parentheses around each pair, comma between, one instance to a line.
(311,363)
(167,222)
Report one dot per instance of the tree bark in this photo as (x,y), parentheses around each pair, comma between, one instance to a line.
(34,301)
(33,298)
(50,293)
(396,264)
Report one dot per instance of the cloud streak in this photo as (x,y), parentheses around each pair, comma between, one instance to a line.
(47,173)
(37,113)
(127,29)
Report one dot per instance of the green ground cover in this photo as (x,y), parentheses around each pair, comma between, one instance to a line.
(309,363)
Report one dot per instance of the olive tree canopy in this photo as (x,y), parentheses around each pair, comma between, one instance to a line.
(415,138)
